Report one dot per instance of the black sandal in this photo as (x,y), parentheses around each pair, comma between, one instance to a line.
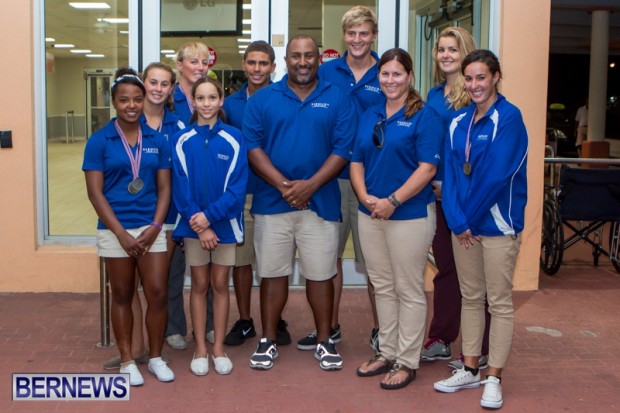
(384,368)
(395,369)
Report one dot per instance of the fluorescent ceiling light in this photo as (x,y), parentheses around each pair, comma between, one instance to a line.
(123,31)
(241,51)
(171,56)
(50,39)
(92,6)
(95,55)
(246,21)
(63,46)
(167,51)
(113,20)
(243,46)
(83,51)
(246,31)
(247,7)
(244,40)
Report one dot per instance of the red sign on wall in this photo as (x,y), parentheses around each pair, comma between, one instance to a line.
(212,57)
(329,54)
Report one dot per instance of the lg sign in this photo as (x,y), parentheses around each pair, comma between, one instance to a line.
(329,54)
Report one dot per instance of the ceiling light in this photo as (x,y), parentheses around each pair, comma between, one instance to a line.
(243,46)
(63,46)
(123,31)
(246,31)
(167,51)
(612,65)
(171,56)
(246,21)
(113,20)
(83,51)
(247,7)
(92,6)
(50,39)
(95,55)
(244,40)
(241,51)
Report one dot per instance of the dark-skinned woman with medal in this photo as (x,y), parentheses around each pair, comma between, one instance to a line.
(127,170)
(484,196)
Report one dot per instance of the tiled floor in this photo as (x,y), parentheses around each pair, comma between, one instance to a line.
(565,356)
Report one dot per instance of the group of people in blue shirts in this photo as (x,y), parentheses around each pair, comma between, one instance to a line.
(286,169)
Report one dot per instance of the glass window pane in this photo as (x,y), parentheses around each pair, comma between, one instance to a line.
(83,48)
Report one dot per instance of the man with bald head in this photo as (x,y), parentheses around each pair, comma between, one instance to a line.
(299,133)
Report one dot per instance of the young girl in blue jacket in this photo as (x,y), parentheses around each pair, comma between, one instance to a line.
(209,183)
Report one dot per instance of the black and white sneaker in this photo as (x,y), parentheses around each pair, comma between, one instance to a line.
(241,330)
(309,342)
(265,354)
(328,356)
(283,337)
(374,340)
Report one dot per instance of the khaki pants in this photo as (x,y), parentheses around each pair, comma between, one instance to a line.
(395,253)
(486,269)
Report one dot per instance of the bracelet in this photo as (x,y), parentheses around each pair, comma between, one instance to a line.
(393,200)
(156,225)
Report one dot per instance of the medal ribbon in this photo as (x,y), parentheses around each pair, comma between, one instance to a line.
(135,161)
(468,142)
(188,99)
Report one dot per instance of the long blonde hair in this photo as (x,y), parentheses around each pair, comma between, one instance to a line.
(457,96)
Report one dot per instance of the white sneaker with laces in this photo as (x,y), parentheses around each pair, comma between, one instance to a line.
(160,369)
(492,394)
(461,379)
(135,378)
(176,341)
(222,364)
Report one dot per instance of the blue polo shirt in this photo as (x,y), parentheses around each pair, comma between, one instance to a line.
(171,124)
(407,141)
(298,137)
(491,200)
(364,94)
(105,152)
(181,108)
(437,101)
(234,108)
(210,175)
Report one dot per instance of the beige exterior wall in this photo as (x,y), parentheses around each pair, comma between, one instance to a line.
(524,56)
(26,266)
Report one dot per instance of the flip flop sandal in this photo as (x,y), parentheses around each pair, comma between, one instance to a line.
(396,368)
(384,368)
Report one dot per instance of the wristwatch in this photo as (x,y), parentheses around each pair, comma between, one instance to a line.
(393,200)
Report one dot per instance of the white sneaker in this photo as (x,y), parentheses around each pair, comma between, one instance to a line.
(160,369)
(210,336)
(461,379)
(176,341)
(223,365)
(492,394)
(199,366)
(135,378)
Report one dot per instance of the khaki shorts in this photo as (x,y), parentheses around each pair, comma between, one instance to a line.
(109,247)
(277,236)
(245,254)
(348,208)
(195,256)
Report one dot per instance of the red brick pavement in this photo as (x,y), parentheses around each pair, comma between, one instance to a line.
(565,357)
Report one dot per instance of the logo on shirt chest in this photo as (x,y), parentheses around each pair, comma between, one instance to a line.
(373,89)
(151,150)
(403,124)
(482,137)
(320,105)
(223,156)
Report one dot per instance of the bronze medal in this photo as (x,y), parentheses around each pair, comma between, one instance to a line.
(467,168)
(135,186)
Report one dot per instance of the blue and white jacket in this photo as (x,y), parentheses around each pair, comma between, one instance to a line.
(491,200)
(209,174)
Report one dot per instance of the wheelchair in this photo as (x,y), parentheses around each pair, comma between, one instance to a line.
(585,201)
